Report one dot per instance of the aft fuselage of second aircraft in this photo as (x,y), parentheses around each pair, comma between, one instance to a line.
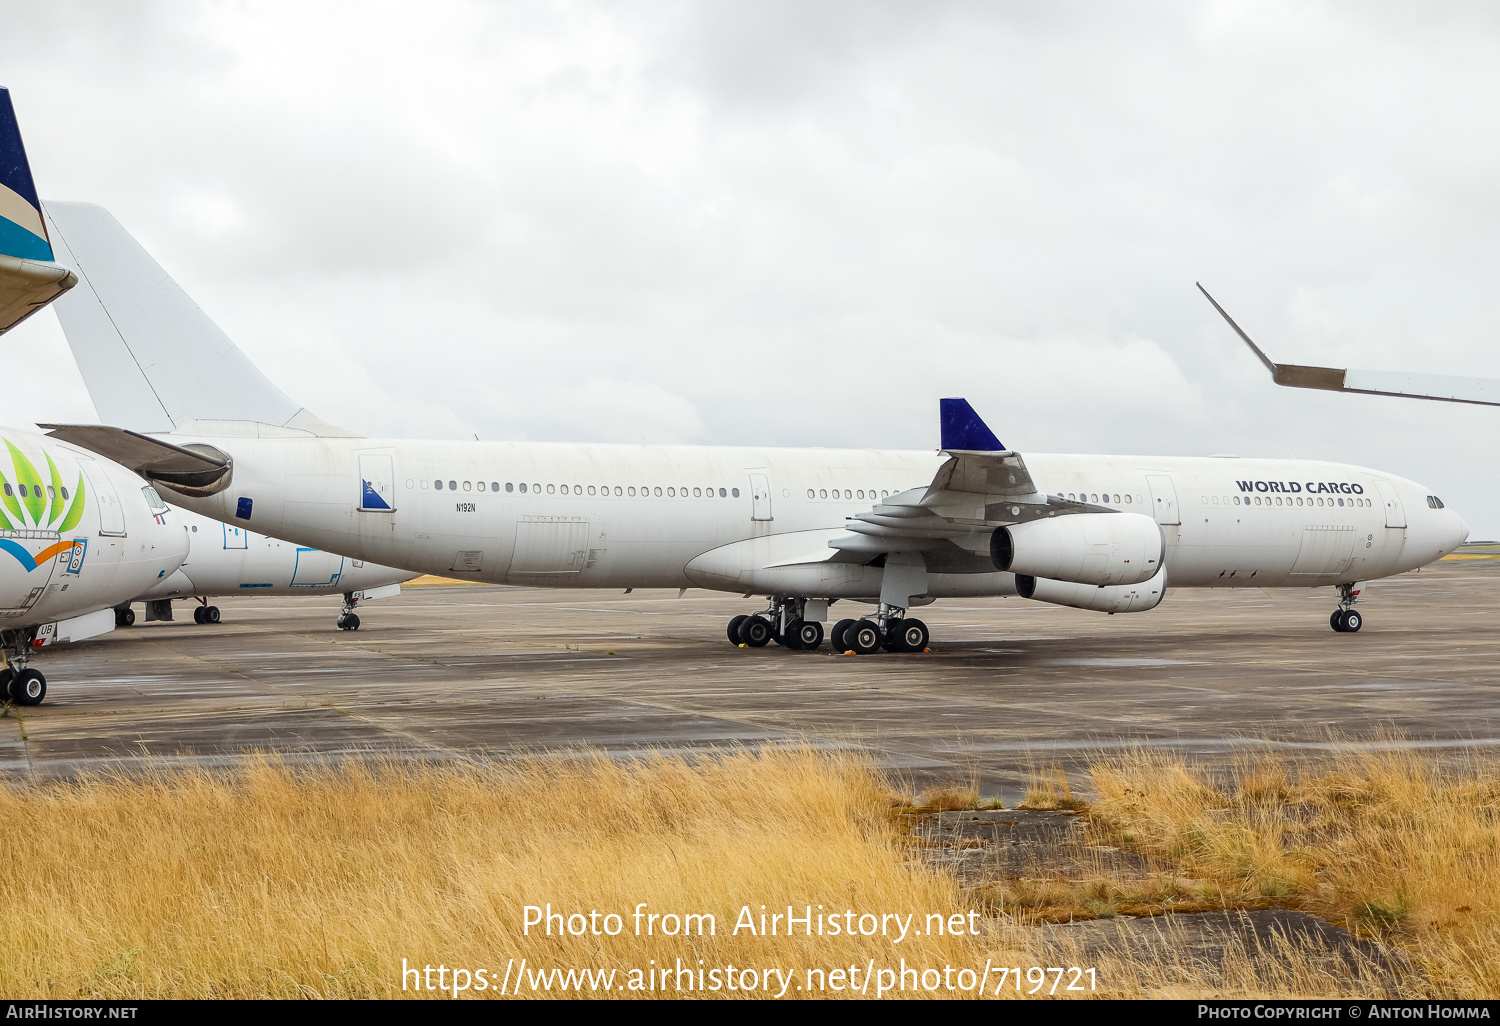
(600,515)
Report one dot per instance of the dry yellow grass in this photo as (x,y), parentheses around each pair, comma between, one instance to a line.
(1387,840)
(275,882)
(270,881)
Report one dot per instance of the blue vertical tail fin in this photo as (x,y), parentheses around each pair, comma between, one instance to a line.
(29,275)
(964,430)
(22,233)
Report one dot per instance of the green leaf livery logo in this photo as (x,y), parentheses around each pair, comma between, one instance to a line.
(28,503)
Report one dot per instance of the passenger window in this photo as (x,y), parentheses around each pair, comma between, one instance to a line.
(822,493)
(811,494)
(467,487)
(510,486)
(437,485)
(630,490)
(697,493)
(671,493)
(535,487)
(452,485)
(550,489)
(523,487)
(1236,500)
(885,494)
(479,485)
(1127,500)
(495,486)
(658,491)
(734,492)
(65,495)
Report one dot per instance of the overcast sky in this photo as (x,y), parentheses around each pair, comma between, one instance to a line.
(803,223)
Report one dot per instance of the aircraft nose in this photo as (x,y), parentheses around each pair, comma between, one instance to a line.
(1458,531)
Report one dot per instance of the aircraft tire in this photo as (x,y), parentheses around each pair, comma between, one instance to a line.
(892,642)
(914,635)
(198,615)
(5,678)
(809,635)
(1336,621)
(124,617)
(1352,621)
(837,635)
(734,628)
(791,637)
(28,687)
(211,614)
(864,637)
(756,632)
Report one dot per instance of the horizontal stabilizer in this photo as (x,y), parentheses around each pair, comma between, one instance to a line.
(1440,387)
(192,469)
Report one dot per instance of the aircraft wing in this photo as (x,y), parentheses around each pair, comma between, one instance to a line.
(29,280)
(981,486)
(1441,387)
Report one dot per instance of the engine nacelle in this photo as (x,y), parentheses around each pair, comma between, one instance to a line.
(1117,598)
(1101,549)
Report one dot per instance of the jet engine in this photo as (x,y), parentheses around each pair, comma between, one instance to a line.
(1100,549)
(1117,598)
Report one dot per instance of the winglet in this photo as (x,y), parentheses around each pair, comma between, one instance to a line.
(22,233)
(1295,375)
(963,430)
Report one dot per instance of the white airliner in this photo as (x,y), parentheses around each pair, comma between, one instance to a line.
(805,527)
(77,533)
(230,560)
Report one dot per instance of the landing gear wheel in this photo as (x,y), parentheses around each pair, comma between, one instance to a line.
(5,679)
(864,637)
(734,628)
(756,632)
(809,634)
(211,615)
(913,636)
(28,687)
(791,637)
(892,642)
(1352,621)
(840,643)
(198,615)
(347,622)
(124,617)
(1336,621)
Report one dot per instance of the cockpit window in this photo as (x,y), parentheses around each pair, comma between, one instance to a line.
(153,500)
(1434,502)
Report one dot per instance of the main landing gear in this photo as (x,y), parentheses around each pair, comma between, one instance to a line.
(124,615)
(348,620)
(782,623)
(205,613)
(887,629)
(17,683)
(1346,619)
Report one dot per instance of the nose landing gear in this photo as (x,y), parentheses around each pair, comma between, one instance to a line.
(17,683)
(348,620)
(1345,619)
